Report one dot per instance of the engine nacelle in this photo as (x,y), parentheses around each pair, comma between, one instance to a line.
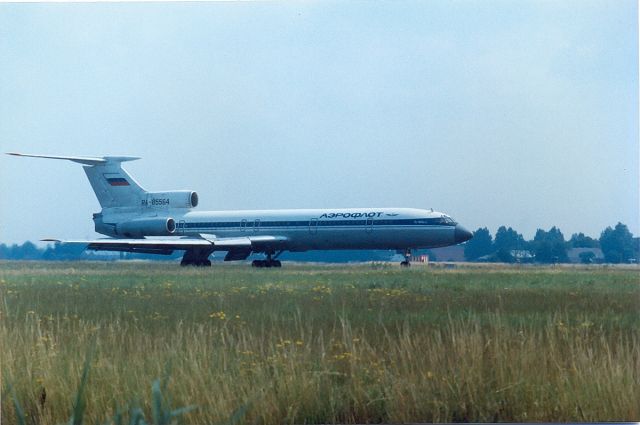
(173,199)
(156,226)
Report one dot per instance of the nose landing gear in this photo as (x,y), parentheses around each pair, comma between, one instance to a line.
(407,258)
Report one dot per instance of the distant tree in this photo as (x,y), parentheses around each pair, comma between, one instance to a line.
(30,252)
(550,247)
(64,252)
(580,240)
(587,257)
(26,251)
(481,244)
(617,244)
(13,252)
(507,240)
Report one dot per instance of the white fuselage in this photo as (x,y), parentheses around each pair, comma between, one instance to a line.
(321,229)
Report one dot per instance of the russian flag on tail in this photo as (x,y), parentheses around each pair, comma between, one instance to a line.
(117,181)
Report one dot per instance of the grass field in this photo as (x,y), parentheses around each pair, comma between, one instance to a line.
(312,344)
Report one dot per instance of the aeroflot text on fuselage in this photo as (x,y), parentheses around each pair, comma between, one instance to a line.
(351,215)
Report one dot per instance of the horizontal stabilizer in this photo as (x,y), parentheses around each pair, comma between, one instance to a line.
(113,186)
(87,160)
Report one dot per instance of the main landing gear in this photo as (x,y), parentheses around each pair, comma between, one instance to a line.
(270,261)
(407,258)
(197,263)
(196,257)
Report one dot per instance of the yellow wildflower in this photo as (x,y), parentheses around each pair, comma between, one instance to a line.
(218,315)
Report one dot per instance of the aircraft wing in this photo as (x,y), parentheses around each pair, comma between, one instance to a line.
(257,242)
(240,246)
(164,246)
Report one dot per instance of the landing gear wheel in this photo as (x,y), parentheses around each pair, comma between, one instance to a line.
(405,264)
(266,263)
(270,261)
(196,263)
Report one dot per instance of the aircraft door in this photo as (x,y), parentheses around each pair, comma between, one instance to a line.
(368,227)
(256,225)
(181,227)
(243,225)
(313,226)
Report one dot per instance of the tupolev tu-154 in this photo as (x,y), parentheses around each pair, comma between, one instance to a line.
(136,220)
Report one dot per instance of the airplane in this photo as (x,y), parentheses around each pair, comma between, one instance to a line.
(136,220)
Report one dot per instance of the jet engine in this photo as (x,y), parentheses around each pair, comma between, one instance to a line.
(155,226)
(173,199)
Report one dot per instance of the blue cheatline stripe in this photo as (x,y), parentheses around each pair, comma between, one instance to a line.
(319,223)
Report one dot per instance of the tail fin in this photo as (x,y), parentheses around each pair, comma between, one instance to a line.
(113,186)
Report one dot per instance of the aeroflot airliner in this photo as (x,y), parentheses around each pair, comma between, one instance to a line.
(163,222)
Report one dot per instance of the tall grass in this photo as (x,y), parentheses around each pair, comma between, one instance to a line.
(324,344)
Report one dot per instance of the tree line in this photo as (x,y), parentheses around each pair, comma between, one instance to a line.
(60,252)
(549,246)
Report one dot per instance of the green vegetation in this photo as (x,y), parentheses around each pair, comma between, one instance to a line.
(306,344)
(617,244)
(549,247)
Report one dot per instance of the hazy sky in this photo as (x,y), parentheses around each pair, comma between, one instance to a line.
(496,112)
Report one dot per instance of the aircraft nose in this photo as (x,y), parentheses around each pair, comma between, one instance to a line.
(461,234)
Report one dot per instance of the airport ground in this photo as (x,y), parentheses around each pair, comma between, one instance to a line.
(321,344)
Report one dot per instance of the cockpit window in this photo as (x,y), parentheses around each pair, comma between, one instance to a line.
(438,221)
(448,220)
